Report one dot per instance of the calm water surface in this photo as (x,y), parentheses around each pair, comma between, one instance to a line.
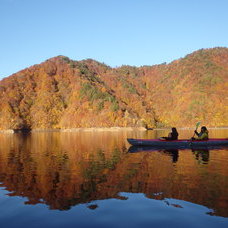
(91,179)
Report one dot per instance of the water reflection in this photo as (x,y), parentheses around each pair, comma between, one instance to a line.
(202,155)
(173,153)
(64,170)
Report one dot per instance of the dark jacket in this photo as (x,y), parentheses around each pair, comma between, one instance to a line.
(173,136)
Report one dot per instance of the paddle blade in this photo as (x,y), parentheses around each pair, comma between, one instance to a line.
(197,124)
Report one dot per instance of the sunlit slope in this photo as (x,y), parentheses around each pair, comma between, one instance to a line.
(62,93)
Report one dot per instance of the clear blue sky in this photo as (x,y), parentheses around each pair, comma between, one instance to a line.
(116,32)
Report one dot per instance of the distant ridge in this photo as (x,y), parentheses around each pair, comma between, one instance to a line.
(61,93)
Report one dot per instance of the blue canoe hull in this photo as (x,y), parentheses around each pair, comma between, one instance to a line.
(184,143)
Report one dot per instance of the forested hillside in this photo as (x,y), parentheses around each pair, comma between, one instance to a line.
(62,93)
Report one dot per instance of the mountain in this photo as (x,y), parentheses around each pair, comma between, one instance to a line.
(62,93)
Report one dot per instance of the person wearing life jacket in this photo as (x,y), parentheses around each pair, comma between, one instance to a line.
(202,135)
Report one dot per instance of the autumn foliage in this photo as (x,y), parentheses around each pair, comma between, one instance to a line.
(61,93)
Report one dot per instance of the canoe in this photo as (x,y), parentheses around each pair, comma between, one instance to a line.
(183,143)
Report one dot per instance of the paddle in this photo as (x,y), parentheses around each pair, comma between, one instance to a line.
(197,125)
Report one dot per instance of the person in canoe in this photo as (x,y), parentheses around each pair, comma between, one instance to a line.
(202,135)
(173,135)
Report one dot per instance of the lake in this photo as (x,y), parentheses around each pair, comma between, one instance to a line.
(91,179)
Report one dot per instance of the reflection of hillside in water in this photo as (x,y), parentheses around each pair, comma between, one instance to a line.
(62,170)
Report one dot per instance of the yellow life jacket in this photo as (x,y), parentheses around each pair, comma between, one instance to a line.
(204,136)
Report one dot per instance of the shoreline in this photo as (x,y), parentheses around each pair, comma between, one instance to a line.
(99,129)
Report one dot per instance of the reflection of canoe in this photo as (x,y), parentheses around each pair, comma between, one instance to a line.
(135,149)
(183,143)
(171,152)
